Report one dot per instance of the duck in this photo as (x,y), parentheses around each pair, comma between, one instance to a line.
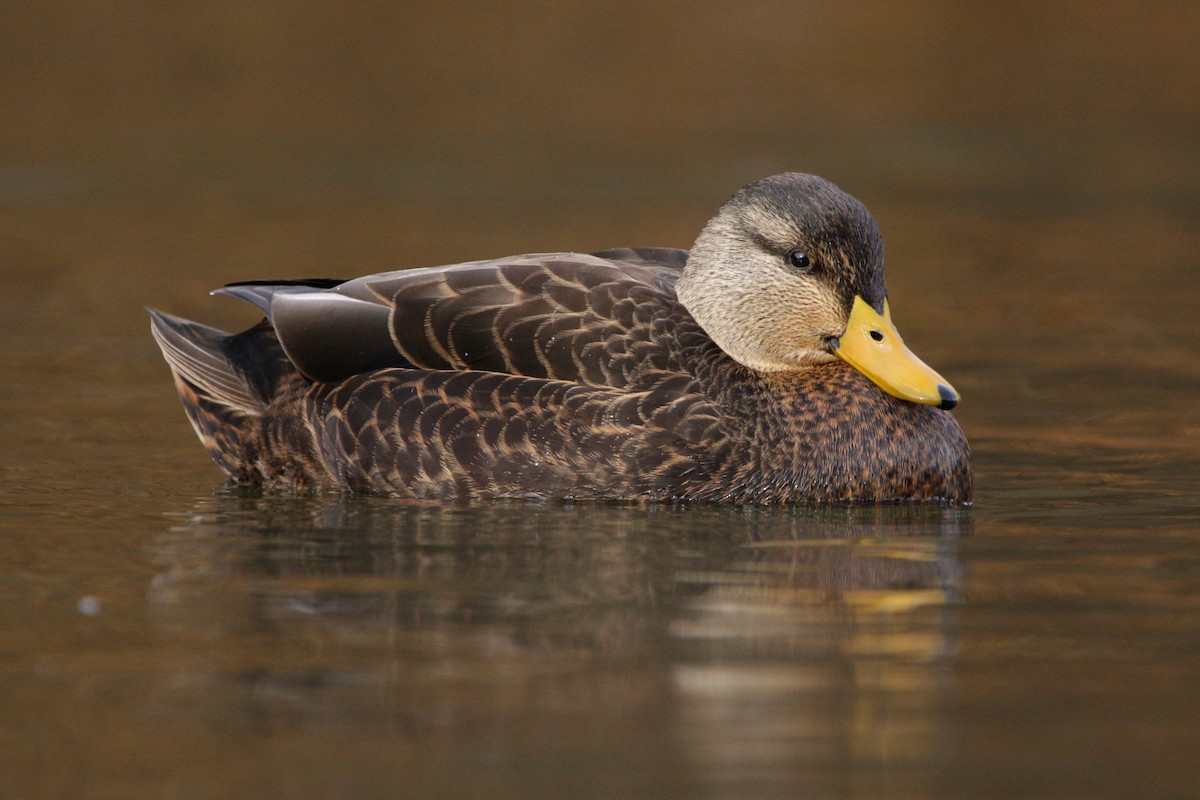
(760,367)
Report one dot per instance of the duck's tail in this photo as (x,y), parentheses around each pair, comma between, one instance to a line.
(226,382)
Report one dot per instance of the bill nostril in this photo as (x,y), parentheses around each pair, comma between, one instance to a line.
(877,336)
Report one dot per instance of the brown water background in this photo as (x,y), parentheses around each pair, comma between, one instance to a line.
(1035,168)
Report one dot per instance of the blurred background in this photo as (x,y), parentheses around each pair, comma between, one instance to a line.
(1035,169)
(170,148)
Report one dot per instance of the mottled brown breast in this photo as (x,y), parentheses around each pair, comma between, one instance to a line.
(829,435)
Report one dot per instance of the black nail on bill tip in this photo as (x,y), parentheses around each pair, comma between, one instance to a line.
(949,397)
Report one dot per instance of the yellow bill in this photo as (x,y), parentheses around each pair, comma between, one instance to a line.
(872,345)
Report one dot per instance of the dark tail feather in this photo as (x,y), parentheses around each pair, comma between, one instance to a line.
(199,355)
(225,382)
(260,293)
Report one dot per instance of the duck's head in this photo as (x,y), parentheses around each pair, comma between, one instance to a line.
(789,275)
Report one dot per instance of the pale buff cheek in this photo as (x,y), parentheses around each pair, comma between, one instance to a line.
(800,314)
(779,329)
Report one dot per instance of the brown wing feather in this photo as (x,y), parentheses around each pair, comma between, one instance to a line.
(567,317)
(601,321)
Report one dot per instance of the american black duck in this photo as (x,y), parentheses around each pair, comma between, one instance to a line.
(761,367)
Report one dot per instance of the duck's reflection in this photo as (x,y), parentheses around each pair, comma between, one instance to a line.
(729,641)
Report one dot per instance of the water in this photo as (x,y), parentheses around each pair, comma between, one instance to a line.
(165,637)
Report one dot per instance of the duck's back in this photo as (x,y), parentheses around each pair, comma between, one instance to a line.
(601,320)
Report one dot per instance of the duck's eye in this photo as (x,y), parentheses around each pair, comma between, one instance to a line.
(798,259)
